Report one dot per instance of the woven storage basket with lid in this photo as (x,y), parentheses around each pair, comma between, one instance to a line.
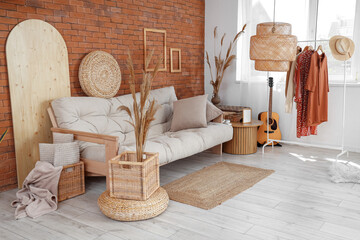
(100,75)
(273,47)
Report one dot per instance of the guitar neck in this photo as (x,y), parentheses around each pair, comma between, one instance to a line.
(270,102)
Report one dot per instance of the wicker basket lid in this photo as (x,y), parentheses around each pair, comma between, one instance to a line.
(100,75)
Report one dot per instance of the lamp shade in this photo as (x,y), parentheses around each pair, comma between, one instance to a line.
(273,47)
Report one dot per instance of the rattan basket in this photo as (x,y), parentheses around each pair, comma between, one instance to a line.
(134,180)
(72,182)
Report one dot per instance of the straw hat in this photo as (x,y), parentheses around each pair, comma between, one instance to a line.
(342,48)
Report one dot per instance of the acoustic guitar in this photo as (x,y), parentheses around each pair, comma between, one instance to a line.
(270,127)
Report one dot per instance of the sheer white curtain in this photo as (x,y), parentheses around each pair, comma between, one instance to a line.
(356,58)
(301,14)
(254,83)
(243,48)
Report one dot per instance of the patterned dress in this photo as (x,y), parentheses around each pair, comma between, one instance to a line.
(302,96)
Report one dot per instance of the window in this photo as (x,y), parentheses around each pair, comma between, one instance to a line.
(311,20)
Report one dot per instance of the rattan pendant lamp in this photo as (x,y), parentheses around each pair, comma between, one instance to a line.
(273,47)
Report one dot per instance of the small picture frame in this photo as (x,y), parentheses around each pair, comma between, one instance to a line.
(175,59)
(155,40)
(247,115)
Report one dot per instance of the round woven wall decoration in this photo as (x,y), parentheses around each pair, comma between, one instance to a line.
(100,75)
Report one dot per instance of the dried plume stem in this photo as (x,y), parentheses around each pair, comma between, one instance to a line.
(221,64)
(142,113)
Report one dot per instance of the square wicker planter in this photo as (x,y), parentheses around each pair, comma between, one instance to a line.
(71,182)
(134,180)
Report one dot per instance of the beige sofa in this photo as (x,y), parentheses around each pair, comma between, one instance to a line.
(102,130)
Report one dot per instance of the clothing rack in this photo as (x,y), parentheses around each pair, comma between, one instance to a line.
(342,147)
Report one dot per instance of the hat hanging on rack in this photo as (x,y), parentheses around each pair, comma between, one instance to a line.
(273,46)
(342,48)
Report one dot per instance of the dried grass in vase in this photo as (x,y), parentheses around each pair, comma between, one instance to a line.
(144,111)
(221,62)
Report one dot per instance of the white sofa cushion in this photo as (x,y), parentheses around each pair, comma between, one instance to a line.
(98,115)
(101,116)
(172,146)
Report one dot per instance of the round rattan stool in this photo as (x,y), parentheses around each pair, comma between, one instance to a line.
(132,210)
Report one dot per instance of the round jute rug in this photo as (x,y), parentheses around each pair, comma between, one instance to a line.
(100,75)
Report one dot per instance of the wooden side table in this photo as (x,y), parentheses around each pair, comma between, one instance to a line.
(244,138)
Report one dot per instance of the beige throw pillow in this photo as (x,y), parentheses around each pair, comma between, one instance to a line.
(47,152)
(212,111)
(60,154)
(62,137)
(189,113)
(66,154)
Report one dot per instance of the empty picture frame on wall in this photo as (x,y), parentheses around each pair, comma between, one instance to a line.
(155,40)
(175,59)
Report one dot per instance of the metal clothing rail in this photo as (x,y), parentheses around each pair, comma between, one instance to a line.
(341,148)
(315,40)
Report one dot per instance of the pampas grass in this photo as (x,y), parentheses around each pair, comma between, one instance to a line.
(222,62)
(143,112)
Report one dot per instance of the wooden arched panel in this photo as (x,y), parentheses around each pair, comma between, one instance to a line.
(38,71)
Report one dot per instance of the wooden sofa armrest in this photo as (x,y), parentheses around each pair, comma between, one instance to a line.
(87,136)
(110,142)
(111,149)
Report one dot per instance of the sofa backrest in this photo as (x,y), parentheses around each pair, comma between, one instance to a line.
(99,115)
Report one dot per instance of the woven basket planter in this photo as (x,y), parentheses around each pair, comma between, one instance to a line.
(72,182)
(134,180)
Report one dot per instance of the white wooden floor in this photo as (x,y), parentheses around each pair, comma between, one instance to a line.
(298,201)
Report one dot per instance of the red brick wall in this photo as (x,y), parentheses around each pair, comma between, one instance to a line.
(112,26)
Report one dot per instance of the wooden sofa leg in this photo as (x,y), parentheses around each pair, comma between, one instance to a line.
(217,149)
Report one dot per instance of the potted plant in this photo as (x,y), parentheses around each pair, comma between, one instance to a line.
(135,175)
(221,63)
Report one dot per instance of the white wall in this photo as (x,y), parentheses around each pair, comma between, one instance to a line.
(224,14)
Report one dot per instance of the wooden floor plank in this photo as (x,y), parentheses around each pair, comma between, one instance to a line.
(6,234)
(209,217)
(342,231)
(314,213)
(188,235)
(120,229)
(203,228)
(298,201)
(287,225)
(270,234)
